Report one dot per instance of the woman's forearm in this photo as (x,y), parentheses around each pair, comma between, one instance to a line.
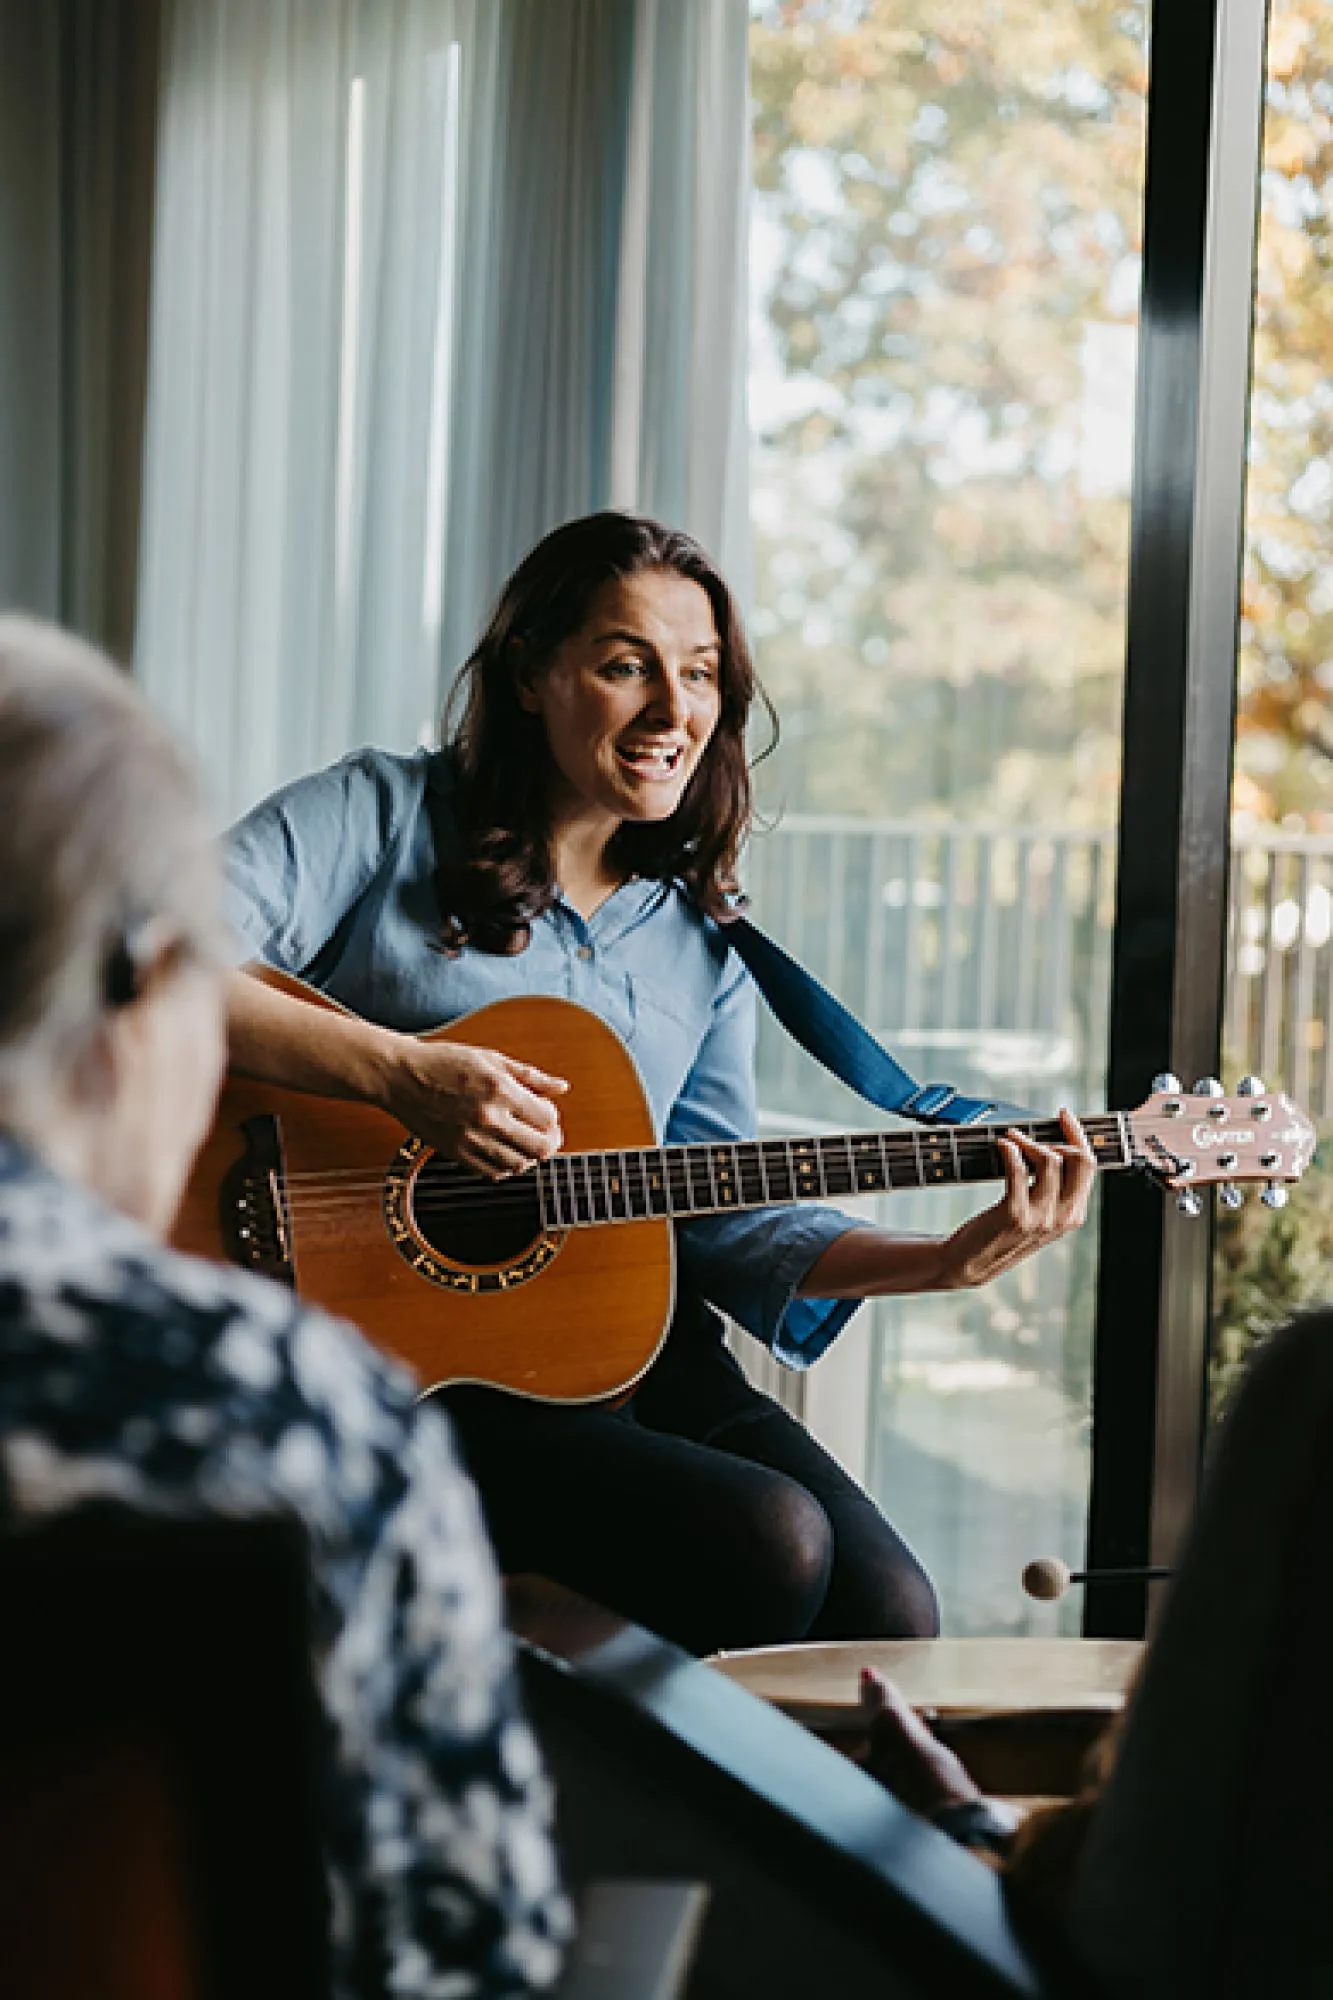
(1046,1190)
(280,1039)
(475,1105)
(869,1263)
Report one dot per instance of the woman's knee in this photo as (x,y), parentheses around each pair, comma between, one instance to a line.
(878,1590)
(915,1607)
(784,1559)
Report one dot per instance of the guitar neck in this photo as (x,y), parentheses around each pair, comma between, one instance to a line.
(579,1189)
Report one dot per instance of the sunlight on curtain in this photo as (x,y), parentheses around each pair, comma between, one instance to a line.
(429,278)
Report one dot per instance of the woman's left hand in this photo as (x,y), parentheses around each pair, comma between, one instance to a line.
(1045,1195)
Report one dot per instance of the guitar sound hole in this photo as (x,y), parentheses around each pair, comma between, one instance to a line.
(473,1221)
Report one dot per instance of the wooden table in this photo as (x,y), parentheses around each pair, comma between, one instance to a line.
(1022,1713)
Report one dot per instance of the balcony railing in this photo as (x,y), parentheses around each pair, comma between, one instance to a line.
(982,953)
(1280,974)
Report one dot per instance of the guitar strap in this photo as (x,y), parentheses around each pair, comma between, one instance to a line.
(834,1037)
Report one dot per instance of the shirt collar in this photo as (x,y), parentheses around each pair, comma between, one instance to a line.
(623,909)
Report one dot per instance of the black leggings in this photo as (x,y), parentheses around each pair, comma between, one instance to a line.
(699,1509)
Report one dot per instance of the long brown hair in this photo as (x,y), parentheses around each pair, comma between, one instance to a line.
(500,882)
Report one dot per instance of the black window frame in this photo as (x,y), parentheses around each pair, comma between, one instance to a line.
(1207,70)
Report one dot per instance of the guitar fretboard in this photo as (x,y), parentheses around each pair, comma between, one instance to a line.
(578,1189)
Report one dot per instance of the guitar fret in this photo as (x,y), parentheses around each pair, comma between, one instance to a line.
(656,1192)
(679,1196)
(777,1164)
(805,1162)
(619,1198)
(698,1178)
(563,1181)
(727,1173)
(984,1164)
(1126,1145)
(586,1208)
(604,1178)
(750,1173)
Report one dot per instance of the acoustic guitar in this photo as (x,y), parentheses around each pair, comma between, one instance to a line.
(558,1283)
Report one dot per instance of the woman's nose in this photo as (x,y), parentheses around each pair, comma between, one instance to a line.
(668,700)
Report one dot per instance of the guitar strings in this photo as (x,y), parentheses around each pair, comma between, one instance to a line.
(312,1195)
(969,1144)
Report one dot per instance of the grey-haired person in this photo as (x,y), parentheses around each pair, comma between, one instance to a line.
(134,1374)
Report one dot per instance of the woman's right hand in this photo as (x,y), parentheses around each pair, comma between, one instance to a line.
(476,1106)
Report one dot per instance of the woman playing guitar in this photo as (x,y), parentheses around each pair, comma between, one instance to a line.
(579,836)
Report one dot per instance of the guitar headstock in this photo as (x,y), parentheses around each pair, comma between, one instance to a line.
(1210,1137)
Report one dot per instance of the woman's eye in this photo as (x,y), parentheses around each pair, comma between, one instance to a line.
(624,668)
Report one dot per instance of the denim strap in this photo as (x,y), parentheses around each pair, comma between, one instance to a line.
(835,1038)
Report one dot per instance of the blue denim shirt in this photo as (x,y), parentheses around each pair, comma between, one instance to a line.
(332,879)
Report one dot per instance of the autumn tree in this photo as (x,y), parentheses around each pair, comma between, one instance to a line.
(949,203)
(1285,742)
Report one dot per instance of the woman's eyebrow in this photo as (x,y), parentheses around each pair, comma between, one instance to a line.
(622,636)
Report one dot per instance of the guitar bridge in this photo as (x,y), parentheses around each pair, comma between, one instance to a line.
(254,1205)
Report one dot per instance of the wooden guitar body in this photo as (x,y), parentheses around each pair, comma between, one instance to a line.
(559,1315)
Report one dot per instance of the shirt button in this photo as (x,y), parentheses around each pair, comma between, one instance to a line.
(584,951)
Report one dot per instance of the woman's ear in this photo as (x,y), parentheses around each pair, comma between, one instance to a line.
(526,677)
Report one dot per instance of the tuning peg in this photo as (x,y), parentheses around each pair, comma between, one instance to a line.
(1274,1195)
(1169,1085)
(1230,1195)
(1251,1086)
(1207,1086)
(1188,1202)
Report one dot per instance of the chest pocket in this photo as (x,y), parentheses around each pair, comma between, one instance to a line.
(669,1032)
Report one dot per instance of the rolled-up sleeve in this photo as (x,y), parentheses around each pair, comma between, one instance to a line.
(750,1264)
(299,861)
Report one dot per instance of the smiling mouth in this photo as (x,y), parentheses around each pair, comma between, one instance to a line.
(648,761)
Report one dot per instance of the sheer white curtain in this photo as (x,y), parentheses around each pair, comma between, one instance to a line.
(77,105)
(429,277)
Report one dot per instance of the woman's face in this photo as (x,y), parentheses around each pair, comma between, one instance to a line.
(631,701)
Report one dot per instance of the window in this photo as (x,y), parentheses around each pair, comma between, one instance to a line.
(946,284)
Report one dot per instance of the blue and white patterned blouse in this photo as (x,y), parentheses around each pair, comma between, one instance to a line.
(332,879)
(130,1373)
